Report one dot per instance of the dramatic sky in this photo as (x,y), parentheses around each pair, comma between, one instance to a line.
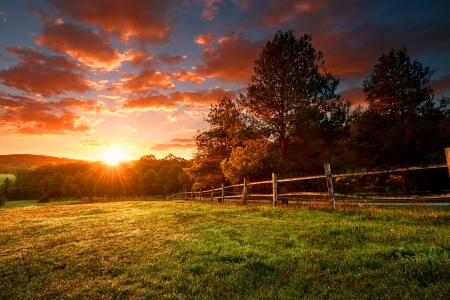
(81,78)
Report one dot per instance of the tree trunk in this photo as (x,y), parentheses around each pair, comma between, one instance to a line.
(405,185)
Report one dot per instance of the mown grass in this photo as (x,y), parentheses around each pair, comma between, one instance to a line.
(190,250)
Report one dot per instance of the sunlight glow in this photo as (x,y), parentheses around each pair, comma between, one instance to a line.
(114,156)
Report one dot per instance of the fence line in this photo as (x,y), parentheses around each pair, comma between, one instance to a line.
(330,194)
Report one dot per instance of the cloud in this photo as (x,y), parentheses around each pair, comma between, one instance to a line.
(31,116)
(441,85)
(232,61)
(202,98)
(151,101)
(355,95)
(184,75)
(175,144)
(145,21)
(84,45)
(45,75)
(170,59)
(210,10)
(92,142)
(139,58)
(205,40)
(143,82)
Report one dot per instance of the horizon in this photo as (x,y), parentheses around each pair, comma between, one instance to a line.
(143,85)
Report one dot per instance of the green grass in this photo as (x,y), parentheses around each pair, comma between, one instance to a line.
(11,177)
(190,250)
(22,203)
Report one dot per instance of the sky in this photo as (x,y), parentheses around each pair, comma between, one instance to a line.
(90,78)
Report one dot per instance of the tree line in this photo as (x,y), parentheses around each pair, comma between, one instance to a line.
(146,177)
(292,120)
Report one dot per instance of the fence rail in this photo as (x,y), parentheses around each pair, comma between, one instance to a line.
(220,194)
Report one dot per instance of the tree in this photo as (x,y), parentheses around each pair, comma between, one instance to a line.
(402,124)
(226,127)
(290,80)
(146,183)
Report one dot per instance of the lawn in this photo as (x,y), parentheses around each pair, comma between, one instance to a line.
(191,250)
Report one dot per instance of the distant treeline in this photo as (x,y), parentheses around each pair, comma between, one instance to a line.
(145,177)
(12,163)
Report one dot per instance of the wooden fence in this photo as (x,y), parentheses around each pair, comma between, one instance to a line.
(240,191)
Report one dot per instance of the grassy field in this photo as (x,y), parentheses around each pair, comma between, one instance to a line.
(4,176)
(189,250)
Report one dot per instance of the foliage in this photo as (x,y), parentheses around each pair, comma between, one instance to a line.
(44,198)
(2,200)
(95,179)
(292,92)
(188,250)
(402,124)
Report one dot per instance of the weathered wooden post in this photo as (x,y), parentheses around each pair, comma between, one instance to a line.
(447,156)
(244,192)
(200,195)
(212,194)
(330,184)
(223,194)
(274,189)
(185,195)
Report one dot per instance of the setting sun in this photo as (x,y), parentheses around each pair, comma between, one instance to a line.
(114,156)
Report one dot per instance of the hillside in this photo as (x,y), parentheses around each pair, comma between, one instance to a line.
(11,163)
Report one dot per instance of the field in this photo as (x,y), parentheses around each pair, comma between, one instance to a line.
(191,250)
(4,176)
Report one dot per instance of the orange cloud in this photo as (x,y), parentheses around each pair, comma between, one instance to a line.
(210,10)
(142,82)
(184,75)
(145,21)
(170,59)
(85,45)
(30,116)
(175,144)
(41,74)
(151,101)
(138,58)
(205,40)
(201,98)
(232,60)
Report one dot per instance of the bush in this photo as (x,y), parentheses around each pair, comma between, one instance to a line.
(2,200)
(44,198)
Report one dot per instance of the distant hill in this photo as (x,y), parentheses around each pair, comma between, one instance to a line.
(11,163)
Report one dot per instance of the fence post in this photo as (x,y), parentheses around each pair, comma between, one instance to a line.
(200,195)
(244,192)
(330,184)
(447,156)
(212,193)
(223,194)
(274,189)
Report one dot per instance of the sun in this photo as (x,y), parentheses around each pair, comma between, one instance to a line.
(114,156)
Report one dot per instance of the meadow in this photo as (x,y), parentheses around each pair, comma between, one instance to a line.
(192,250)
(11,177)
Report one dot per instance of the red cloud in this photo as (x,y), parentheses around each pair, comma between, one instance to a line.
(22,115)
(441,85)
(184,75)
(170,59)
(150,102)
(42,74)
(210,10)
(143,82)
(232,60)
(201,98)
(85,45)
(355,95)
(143,20)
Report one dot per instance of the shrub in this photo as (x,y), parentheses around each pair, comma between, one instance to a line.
(2,200)
(44,198)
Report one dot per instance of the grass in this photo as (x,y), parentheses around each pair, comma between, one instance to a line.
(191,250)
(11,177)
